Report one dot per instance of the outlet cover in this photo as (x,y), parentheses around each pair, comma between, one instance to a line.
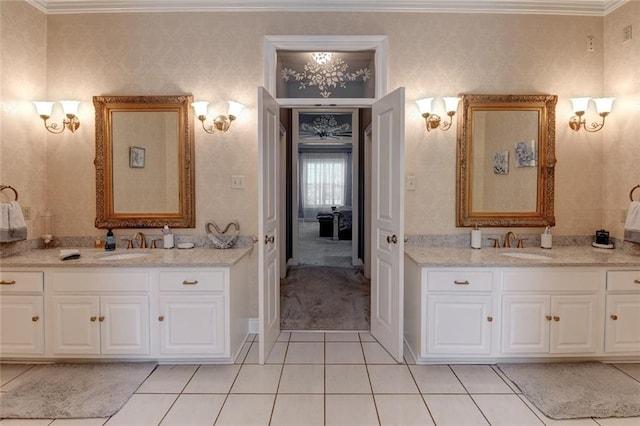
(237,182)
(627,33)
(26,212)
(590,44)
(623,215)
(411,183)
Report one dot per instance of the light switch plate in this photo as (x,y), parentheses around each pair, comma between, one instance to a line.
(237,182)
(412,183)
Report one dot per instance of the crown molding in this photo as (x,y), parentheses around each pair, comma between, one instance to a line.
(540,7)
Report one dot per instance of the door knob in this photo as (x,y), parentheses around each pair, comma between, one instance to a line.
(614,317)
(35,318)
(101,318)
(161,318)
(269,239)
(392,239)
(490,319)
(548,317)
(93,319)
(556,318)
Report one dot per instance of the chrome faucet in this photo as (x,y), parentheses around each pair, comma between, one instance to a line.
(143,240)
(507,239)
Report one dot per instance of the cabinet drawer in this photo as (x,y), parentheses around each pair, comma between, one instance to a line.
(192,281)
(101,281)
(459,281)
(17,282)
(623,281)
(538,280)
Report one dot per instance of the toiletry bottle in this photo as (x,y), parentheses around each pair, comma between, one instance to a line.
(476,238)
(167,238)
(110,241)
(546,240)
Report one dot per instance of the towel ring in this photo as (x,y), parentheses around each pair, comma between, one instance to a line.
(630,194)
(15,192)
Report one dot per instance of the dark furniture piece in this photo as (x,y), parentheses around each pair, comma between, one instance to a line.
(326,220)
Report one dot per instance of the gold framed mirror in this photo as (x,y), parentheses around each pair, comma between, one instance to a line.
(506,161)
(144,162)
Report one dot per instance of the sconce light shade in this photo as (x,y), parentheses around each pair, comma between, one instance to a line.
(70,121)
(451,104)
(44,109)
(603,107)
(433,121)
(221,122)
(579,105)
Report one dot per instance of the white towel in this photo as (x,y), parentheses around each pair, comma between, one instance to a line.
(632,225)
(12,224)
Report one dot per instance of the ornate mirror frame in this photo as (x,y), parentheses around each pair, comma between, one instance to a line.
(106,216)
(544,213)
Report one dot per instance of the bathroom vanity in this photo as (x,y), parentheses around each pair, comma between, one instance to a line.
(166,305)
(464,305)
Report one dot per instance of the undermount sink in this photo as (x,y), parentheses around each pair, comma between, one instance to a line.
(123,256)
(531,256)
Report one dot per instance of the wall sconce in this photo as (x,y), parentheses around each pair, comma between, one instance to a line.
(70,121)
(603,106)
(433,121)
(221,122)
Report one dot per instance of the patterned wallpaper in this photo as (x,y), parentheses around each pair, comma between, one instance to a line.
(218,56)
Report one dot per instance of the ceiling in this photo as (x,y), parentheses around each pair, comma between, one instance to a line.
(549,7)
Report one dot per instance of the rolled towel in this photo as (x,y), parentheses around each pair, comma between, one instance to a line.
(632,224)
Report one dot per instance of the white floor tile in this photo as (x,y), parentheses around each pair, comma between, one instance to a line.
(257,379)
(436,379)
(350,410)
(302,378)
(374,353)
(296,410)
(391,379)
(143,409)
(455,410)
(341,336)
(552,422)
(284,336)
(9,372)
(344,353)
(632,370)
(305,353)
(194,410)
(307,336)
(619,421)
(506,410)
(243,353)
(78,422)
(347,379)
(366,336)
(253,354)
(213,379)
(25,422)
(402,410)
(246,410)
(168,379)
(278,353)
(480,379)
(507,380)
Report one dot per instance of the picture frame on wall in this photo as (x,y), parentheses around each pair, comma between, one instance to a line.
(136,157)
(501,163)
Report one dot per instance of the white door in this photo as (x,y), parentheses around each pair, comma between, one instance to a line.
(21,325)
(623,317)
(387,222)
(75,324)
(575,325)
(525,324)
(124,324)
(268,253)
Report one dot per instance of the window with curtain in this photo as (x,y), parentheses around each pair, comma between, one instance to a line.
(325,181)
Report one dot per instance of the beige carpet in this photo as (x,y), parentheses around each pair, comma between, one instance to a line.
(324,298)
(576,389)
(68,391)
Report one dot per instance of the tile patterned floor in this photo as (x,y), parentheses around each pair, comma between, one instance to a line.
(315,378)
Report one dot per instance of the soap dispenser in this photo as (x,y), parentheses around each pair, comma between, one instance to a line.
(167,240)
(476,238)
(110,241)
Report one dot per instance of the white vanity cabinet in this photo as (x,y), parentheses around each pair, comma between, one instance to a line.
(192,312)
(21,313)
(551,312)
(97,312)
(623,311)
(449,312)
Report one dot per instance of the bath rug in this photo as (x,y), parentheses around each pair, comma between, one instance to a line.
(68,391)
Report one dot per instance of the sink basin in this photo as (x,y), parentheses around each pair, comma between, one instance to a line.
(123,256)
(531,256)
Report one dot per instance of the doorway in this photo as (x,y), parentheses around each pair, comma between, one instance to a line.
(323,282)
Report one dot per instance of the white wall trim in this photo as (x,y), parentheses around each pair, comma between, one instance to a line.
(254,325)
(547,7)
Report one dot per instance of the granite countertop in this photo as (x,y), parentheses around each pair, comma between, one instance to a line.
(195,257)
(492,257)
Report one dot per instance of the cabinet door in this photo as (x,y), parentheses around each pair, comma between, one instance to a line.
(75,325)
(124,324)
(21,325)
(574,325)
(525,324)
(459,324)
(622,326)
(192,324)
